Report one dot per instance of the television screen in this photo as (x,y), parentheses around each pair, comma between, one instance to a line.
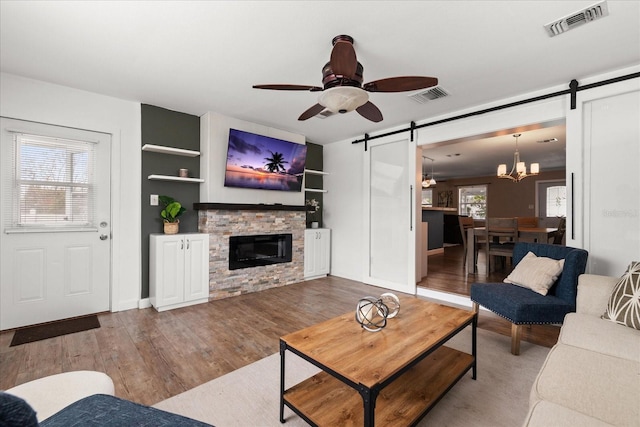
(262,162)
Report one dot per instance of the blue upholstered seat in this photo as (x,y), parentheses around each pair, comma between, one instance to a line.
(522,306)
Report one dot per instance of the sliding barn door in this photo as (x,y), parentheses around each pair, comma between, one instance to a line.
(390,215)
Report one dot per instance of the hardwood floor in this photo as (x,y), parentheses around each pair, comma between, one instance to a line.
(152,356)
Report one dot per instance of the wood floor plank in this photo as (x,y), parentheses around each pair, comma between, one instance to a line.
(41,359)
(152,356)
(81,352)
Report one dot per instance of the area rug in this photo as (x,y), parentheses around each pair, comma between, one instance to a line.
(250,396)
(54,329)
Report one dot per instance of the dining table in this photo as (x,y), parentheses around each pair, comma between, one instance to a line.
(538,234)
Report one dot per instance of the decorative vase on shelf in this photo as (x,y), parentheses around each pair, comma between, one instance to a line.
(171,227)
(312,208)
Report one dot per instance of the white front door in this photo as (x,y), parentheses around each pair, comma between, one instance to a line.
(391,219)
(55,249)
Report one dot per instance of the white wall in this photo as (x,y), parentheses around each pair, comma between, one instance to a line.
(26,99)
(214,136)
(344,202)
(344,207)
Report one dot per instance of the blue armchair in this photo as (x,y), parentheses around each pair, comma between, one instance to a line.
(522,306)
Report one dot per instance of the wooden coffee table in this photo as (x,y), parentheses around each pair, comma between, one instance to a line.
(394,376)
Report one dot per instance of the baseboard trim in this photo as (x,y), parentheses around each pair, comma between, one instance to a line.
(144,303)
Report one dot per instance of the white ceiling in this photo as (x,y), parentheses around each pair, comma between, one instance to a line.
(199,56)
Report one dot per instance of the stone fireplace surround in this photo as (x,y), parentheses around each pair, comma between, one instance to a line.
(222,220)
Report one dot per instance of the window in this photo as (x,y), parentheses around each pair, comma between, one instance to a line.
(551,198)
(557,201)
(53,182)
(427,197)
(473,201)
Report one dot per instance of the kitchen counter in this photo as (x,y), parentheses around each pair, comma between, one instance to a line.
(436,208)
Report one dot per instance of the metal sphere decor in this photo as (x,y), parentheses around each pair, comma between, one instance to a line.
(392,302)
(372,313)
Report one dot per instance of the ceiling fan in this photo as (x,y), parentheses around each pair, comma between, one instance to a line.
(343,90)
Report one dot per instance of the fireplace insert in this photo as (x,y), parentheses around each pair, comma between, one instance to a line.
(257,250)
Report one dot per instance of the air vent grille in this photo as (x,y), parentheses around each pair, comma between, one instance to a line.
(569,22)
(429,95)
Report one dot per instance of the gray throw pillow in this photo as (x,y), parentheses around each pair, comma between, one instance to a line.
(624,303)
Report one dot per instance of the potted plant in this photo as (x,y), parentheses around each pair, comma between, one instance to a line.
(170,213)
(312,208)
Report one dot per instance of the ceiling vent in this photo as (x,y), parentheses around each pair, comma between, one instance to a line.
(429,95)
(569,22)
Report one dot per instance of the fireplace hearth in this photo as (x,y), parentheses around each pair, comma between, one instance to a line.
(259,250)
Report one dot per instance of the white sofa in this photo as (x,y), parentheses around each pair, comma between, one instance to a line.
(50,394)
(591,377)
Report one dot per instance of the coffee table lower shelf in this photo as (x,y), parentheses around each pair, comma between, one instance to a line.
(325,401)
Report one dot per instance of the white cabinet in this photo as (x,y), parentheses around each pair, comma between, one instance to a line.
(178,270)
(317,252)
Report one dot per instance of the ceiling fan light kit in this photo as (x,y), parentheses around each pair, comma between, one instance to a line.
(343,90)
(343,99)
(519,168)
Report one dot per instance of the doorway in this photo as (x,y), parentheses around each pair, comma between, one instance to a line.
(56,223)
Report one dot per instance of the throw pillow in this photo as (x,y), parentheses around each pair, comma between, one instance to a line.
(536,273)
(624,303)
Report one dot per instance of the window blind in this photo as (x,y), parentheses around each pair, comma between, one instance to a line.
(53,183)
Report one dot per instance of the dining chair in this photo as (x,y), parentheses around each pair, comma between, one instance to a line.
(501,234)
(465,223)
(559,234)
(527,221)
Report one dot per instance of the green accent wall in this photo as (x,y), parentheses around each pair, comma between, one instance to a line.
(172,129)
(315,162)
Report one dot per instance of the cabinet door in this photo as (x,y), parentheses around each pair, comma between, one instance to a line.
(196,271)
(169,268)
(309,252)
(323,251)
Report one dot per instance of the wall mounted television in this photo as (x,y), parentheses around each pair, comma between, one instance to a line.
(262,162)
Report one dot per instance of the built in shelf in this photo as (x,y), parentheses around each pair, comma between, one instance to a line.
(315,172)
(247,207)
(170,150)
(174,178)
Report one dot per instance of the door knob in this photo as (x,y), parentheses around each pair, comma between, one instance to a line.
(104,237)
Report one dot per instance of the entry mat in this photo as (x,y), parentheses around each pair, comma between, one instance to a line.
(54,329)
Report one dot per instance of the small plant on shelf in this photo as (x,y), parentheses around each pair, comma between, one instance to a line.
(171,210)
(312,211)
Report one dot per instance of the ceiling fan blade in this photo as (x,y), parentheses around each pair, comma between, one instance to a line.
(343,59)
(288,87)
(400,84)
(316,109)
(370,111)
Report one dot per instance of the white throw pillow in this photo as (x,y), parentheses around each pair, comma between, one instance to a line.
(536,273)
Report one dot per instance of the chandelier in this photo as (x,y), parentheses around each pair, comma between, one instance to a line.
(426,183)
(519,169)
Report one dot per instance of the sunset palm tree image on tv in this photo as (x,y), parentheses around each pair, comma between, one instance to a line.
(262,162)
